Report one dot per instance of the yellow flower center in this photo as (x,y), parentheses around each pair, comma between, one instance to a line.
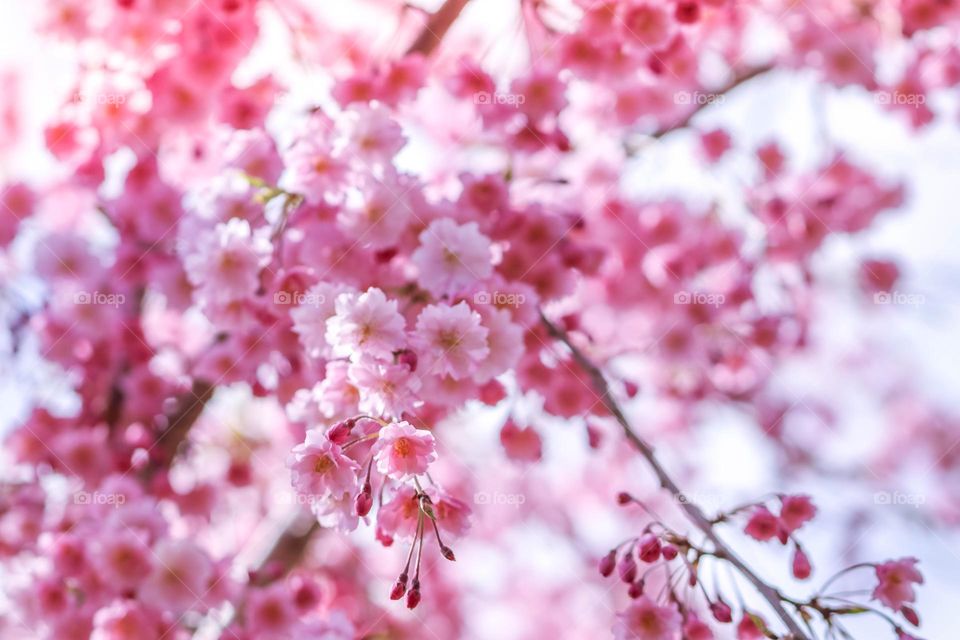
(402,447)
(322,465)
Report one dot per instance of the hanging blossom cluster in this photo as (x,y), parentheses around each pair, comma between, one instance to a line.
(269,306)
(661,548)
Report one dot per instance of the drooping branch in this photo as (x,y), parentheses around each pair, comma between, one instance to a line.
(692,510)
(436,27)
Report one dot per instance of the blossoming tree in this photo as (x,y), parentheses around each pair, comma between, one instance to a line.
(290,262)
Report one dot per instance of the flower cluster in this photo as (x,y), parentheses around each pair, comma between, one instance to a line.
(677,611)
(291,267)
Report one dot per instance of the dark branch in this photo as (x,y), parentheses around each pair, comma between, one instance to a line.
(692,511)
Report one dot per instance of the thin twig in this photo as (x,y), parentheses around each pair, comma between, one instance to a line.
(693,511)
(737,80)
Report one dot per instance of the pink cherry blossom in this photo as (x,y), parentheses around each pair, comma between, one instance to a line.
(645,620)
(451,257)
(224,263)
(367,323)
(763,525)
(795,511)
(521,444)
(314,307)
(337,511)
(126,620)
(270,611)
(385,389)
(452,340)
(315,169)
(504,344)
(179,578)
(896,579)
(401,449)
(319,468)
(374,136)
(124,558)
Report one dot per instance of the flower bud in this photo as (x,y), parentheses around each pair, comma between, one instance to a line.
(447,553)
(413,596)
(721,611)
(607,564)
(669,552)
(408,358)
(628,568)
(340,432)
(801,565)
(910,615)
(594,436)
(383,537)
(399,587)
(649,548)
(363,503)
(624,498)
(636,589)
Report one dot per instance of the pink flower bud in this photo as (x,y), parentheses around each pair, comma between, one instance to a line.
(447,553)
(340,432)
(721,611)
(624,498)
(636,589)
(607,564)
(801,565)
(649,548)
(628,568)
(669,552)
(594,436)
(408,358)
(399,587)
(363,502)
(910,615)
(383,537)
(413,596)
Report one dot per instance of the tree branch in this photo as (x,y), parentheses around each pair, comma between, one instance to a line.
(177,425)
(692,511)
(436,27)
(737,80)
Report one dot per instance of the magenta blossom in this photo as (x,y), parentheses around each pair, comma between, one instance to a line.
(896,579)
